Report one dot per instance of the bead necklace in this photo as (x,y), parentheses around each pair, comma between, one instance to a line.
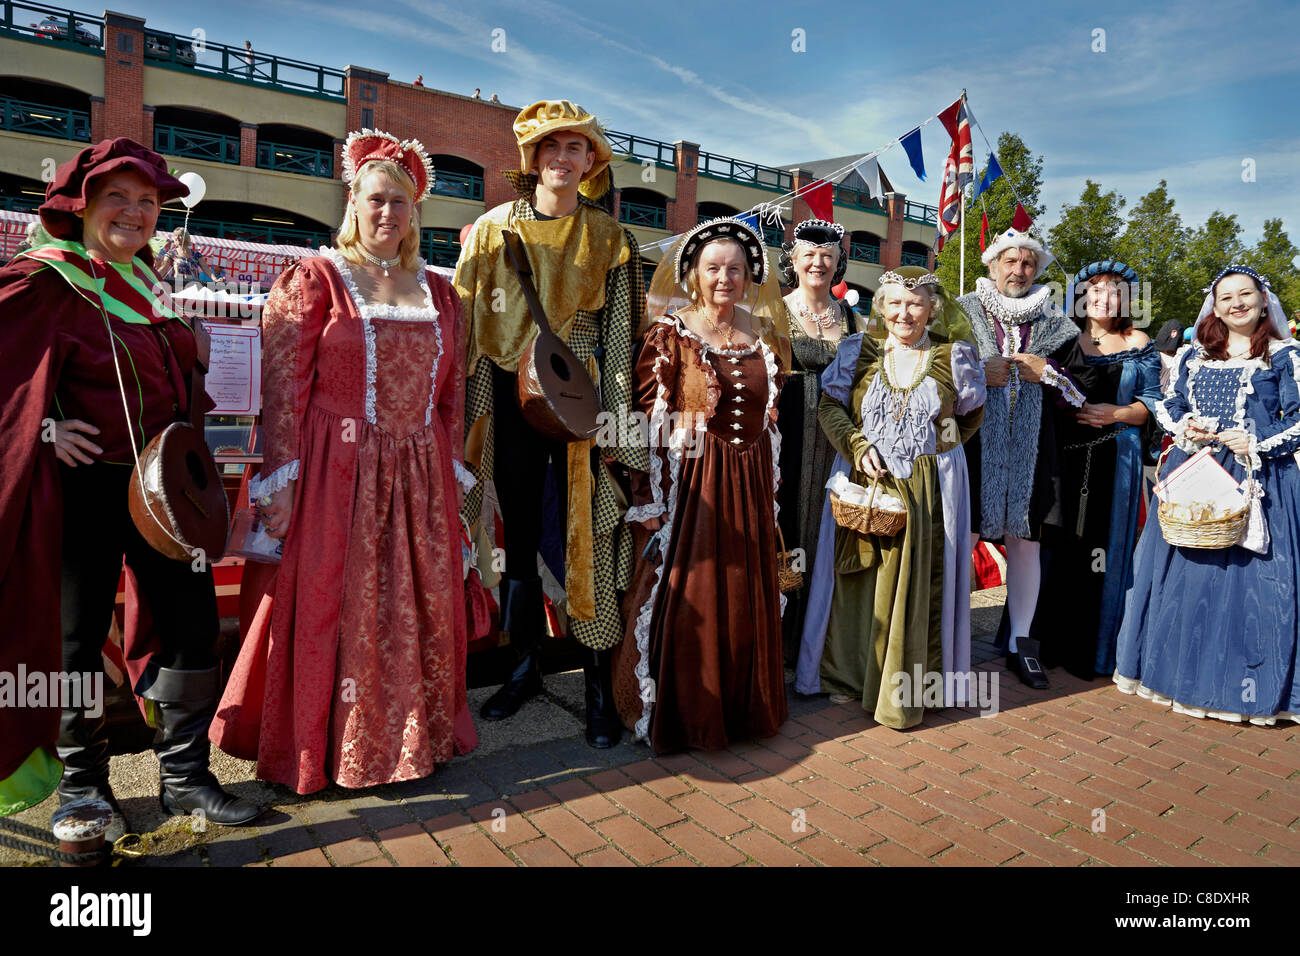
(900,397)
(823,321)
(384,264)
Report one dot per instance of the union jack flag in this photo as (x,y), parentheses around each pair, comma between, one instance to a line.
(958,170)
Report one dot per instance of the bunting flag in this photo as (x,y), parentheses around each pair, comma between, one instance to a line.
(991,172)
(819,197)
(912,145)
(1021,222)
(955,121)
(869,170)
(984,228)
(949,218)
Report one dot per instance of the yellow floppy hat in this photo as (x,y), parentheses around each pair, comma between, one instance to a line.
(534,123)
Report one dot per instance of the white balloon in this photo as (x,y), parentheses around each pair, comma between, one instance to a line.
(198,189)
(851,297)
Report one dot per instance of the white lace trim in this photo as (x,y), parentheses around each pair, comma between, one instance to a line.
(769,361)
(404,313)
(1268,444)
(1131,685)
(1062,384)
(643,512)
(1245,386)
(1011,311)
(275,481)
(464,477)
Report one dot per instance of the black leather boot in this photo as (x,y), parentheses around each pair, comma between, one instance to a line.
(604,729)
(187,701)
(83,748)
(522,619)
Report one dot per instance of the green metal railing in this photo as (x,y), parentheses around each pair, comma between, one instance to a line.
(196,144)
(629,144)
(440,247)
(914,259)
(642,214)
(864,251)
(749,174)
(706,216)
(773,235)
(237,63)
(20,116)
(295,159)
(20,203)
(858,198)
(920,212)
(68,28)
(458,185)
(248,232)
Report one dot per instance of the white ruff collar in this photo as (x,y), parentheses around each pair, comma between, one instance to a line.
(1012,311)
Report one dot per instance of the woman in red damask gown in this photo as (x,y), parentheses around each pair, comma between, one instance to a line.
(353,662)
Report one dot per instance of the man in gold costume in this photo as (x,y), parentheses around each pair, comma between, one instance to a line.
(588,276)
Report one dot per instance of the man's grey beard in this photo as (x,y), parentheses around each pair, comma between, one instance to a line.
(1016,293)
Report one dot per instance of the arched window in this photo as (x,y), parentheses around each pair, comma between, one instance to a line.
(864,246)
(456,177)
(643,207)
(196,134)
(915,254)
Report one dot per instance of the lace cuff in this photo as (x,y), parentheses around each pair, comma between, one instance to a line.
(464,477)
(1063,385)
(644,512)
(275,481)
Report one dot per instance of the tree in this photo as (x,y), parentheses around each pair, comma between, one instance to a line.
(1025,171)
(1209,248)
(1153,244)
(1274,258)
(1089,230)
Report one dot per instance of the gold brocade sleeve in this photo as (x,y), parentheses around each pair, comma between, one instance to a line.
(624,306)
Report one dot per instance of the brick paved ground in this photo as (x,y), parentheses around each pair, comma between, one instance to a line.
(1078,775)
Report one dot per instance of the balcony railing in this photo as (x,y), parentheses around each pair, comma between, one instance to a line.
(750,174)
(773,235)
(440,247)
(295,159)
(914,259)
(629,144)
(919,212)
(237,63)
(859,198)
(642,214)
(864,251)
(247,232)
(20,203)
(196,144)
(66,28)
(20,116)
(457,185)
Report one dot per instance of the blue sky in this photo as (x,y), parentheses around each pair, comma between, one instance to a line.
(1183,91)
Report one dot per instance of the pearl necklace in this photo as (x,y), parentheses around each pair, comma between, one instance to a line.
(384,264)
(824,321)
(901,396)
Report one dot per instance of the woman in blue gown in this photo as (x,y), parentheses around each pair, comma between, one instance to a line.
(1118,370)
(1213,632)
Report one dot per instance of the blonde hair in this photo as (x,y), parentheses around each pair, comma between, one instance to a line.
(348,242)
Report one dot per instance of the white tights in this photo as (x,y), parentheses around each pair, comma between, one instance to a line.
(1024,574)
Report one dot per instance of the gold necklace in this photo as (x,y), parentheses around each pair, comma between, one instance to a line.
(901,397)
(726,336)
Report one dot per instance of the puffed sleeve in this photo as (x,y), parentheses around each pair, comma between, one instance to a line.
(837,387)
(291,325)
(656,374)
(1174,411)
(1147,389)
(451,400)
(968,384)
(1280,436)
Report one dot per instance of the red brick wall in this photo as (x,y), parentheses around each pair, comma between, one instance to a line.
(97,119)
(124,79)
(682,210)
(891,250)
(247,144)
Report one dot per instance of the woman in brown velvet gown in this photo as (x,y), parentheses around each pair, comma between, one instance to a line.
(701,665)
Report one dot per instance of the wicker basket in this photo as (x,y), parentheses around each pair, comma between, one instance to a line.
(786,576)
(1207,533)
(865,518)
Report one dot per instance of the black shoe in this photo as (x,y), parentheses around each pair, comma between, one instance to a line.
(83,748)
(1027,664)
(604,729)
(187,701)
(522,618)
